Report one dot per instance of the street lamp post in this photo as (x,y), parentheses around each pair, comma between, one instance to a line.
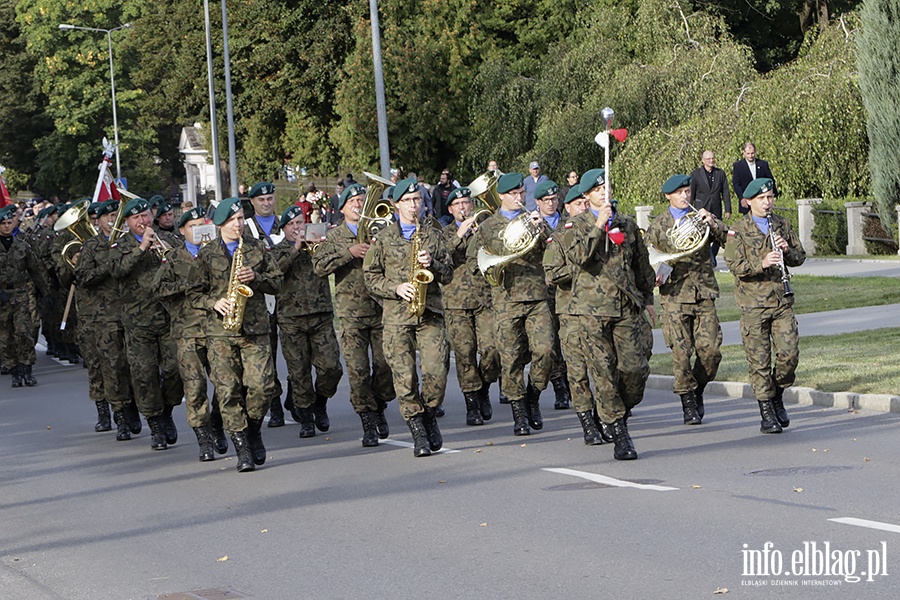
(112,80)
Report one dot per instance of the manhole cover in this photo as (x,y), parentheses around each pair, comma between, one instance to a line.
(788,471)
(203,595)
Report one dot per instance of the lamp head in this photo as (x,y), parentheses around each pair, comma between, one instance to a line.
(66,26)
(607,114)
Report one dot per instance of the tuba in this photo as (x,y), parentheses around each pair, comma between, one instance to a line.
(377,213)
(518,237)
(238,293)
(419,277)
(484,194)
(119,224)
(76,220)
(687,236)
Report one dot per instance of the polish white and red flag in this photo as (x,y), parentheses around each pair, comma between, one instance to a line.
(5,198)
(106,186)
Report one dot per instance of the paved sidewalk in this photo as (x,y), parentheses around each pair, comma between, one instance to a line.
(849,267)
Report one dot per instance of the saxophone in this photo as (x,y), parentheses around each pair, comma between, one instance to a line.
(238,293)
(419,278)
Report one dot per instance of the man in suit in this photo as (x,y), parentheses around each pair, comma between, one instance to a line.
(709,190)
(746,170)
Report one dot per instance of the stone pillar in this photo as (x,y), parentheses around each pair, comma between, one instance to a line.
(855,243)
(643,216)
(898,225)
(807,221)
(191,195)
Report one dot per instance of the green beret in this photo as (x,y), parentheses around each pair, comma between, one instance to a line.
(136,207)
(156,200)
(191,215)
(98,209)
(758,186)
(262,189)
(7,212)
(163,208)
(227,208)
(510,182)
(460,192)
(60,207)
(290,214)
(573,194)
(545,188)
(353,191)
(407,186)
(591,179)
(43,212)
(675,183)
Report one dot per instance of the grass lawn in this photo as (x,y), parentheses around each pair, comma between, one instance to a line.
(866,362)
(816,294)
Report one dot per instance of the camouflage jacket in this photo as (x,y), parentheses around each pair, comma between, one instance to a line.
(98,291)
(350,293)
(64,273)
(177,276)
(692,278)
(19,268)
(388,263)
(43,248)
(606,284)
(303,292)
(135,271)
(559,271)
(215,276)
(523,278)
(755,287)
(468,290)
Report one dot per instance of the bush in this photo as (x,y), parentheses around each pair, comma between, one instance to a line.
(830,230)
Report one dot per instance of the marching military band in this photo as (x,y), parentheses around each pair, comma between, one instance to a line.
(159,311)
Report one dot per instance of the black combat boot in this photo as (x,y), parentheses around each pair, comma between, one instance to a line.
(103,417)
(484,402)
(503,398)
(307,420)
(17,380)
(276,413)
(563,397)
(5,370)
(220,441)
(698,397)
(289,403)
(604,428)
(429,420)
(473,411)
(769,423)
(123,434)
(689,408)
(592,435)
(533,408)
(171,430)
(133,417)
(73,356)
(204,441)
(242,449)
(420,438)
(319,408)
(254,439)
(624,448)
(520,418)
(157,432)
(370,433)
(777,404)
(28,378)
(381,424)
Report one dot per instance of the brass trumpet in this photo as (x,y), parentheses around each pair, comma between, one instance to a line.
(485,197)
(77,222)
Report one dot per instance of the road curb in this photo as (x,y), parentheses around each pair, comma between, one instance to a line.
(802,396)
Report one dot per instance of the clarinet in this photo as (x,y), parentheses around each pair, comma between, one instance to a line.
(785,276)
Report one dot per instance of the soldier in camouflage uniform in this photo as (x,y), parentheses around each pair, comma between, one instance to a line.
(521,311)
(306,320)
(101,312)
(179,275)
(467,310)
(767,314)
(388,268)
(342,253)
(688,294)
(610,289)
(151,351)
(50,312)
(18,267)
(560,273)
(68,336)
(239,358)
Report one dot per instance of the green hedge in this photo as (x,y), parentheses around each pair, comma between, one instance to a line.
(830,230)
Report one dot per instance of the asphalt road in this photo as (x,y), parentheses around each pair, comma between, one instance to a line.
(86,517)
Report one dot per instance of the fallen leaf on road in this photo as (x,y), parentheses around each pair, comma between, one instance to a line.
(477,451)
(721,591)
(327,439)
(442,481)
(49,428)
(798,489)
(264,531)
(223,559)
(483,525)
(489,444)
(814,450)
(522,446)
(866,459)
(696,487)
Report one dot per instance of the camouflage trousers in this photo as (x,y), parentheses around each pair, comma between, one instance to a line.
(154,368)
(235,363)
(16,330)
(308,342)
(400,345)
(689,329)
(571,338)
(275,389)
(472,332)
(193,365)
(108,341)
(371,381)
(616,354)
(762,328)
(93,358)
(525,333)
(559,366)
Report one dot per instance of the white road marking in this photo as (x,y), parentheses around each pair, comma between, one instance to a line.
(411,445)
(610,481)
(42,348)
(870,524)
